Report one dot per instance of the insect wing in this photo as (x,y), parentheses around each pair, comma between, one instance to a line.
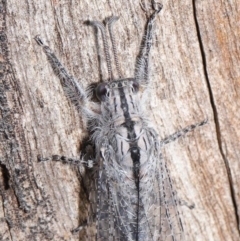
(112,222)
(125,212)
(171,224)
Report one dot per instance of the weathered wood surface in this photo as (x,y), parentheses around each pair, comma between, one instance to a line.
(195,74)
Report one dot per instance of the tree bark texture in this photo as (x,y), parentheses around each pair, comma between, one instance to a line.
(194,75)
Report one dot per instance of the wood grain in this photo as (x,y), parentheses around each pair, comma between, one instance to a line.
(195,75)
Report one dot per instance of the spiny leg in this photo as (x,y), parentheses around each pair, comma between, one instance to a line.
(64,159)
(86,160)
(72,88)
(82,164)
(181,133)
(142,64)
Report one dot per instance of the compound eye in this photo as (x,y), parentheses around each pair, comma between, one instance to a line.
(101,91)
(135,86)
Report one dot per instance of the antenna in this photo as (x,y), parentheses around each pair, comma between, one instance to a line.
(105,44)
(110,23)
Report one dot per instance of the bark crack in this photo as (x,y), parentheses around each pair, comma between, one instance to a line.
(215,112)
(5,175)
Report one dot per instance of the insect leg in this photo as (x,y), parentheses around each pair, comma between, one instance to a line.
(181,133)
(79,228)
(185,203)
(72,88)
(142,64)
(82,163)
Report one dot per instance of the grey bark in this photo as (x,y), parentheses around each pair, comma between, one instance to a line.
(195,74)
